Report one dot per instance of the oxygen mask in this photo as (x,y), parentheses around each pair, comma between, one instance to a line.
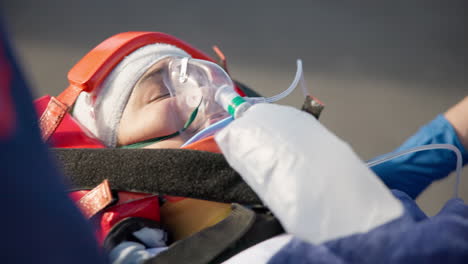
(194,85)
(189,87)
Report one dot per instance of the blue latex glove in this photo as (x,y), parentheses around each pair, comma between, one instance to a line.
(412,173)
(413,238)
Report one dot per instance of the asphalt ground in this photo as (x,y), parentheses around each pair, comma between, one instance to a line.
(383,68)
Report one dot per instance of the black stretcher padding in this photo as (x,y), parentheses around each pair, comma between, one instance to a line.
(178,172)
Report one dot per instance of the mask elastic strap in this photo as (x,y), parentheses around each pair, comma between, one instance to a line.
(148,142)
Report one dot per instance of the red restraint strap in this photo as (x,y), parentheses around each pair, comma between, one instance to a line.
(96,200)
(56,110)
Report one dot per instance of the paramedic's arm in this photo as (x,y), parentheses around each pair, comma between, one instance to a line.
(458,117)
(412,173)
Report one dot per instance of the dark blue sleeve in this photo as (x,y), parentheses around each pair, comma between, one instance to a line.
(412,238)
(412,173)
(39,222)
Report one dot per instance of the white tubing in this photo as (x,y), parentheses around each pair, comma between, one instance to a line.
(208,131)
(427,147)
(291,88)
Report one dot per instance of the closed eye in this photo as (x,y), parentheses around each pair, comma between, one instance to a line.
(158,98)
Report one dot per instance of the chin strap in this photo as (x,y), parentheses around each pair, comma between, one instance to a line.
(148,142)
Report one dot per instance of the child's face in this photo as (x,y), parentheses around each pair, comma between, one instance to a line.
(150,112)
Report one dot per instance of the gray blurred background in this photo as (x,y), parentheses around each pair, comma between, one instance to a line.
(383,68)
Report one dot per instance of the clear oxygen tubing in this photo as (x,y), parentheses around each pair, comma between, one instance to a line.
(236,105)
(210,130)
(424,148)
(297,79)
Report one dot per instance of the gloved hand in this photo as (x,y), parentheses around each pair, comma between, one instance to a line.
(413,238)
(412,173)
